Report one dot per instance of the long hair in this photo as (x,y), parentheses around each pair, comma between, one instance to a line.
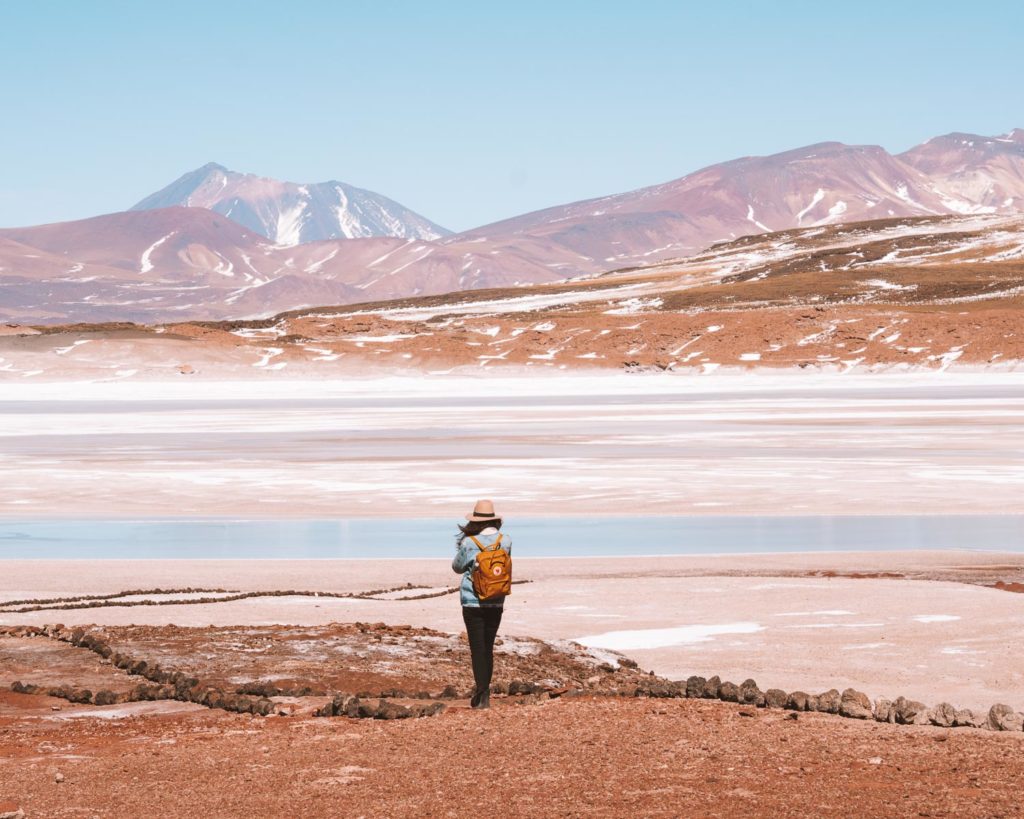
(475,527)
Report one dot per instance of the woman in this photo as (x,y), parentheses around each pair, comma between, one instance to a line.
(482,617)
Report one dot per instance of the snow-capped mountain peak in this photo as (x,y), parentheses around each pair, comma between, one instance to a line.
(288,213)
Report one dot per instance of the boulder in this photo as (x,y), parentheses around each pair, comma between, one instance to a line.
(695,687)
(942,715)
(262,708)
(775,698)
(910,712)
(855,704)
(18,687)
(968,718)
(518,687)
(105,697)
(828,702)
(451,693)
(884,710)
(367,709)
(392,710)
(78,695)
(798,701)
(750,694)
(729,692)
(1004,718)
(712,688)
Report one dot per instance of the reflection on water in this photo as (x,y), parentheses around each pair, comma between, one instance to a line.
(536,537)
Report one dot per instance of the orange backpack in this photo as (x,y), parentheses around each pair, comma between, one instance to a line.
(492,576)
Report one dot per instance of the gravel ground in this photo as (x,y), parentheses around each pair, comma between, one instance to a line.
(560,758)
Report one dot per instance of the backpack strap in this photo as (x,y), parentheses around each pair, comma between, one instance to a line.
(480,546)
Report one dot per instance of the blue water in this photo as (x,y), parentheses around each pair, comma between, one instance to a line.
(541,537)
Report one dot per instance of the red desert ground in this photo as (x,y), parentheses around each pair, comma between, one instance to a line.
(815,346)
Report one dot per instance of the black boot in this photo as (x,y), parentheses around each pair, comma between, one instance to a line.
(474,701)
(481,699)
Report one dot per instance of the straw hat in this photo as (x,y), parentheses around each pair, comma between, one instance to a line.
(484,510)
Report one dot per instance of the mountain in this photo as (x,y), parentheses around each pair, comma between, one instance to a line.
(288,213)
(193,263)
(971,173)
(817,185)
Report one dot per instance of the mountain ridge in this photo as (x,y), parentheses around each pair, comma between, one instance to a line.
(290,213)
(192,266)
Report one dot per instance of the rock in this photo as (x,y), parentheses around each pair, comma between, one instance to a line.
(19,687)
(262,708)
(968,718)
(943,715)
(366,709)
(58,777)
(775,698)
(798,701)
(518,687)
(105,697)
(451,693)
(884,711)
(695,687)
(910,712)
(79,695)
(392,710)
(855,704)
(829,702)
(496,688)
(712,688)
(625,662)
(1004,718)
(750,693)
(729,692)
(10,810)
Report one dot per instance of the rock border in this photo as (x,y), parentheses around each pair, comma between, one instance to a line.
(100,601)
(254,698)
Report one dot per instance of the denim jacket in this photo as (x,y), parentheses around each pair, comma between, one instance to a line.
(465,561)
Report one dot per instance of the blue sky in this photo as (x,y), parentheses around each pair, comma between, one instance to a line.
(471,112)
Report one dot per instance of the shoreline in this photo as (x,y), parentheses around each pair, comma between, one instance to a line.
(928,624)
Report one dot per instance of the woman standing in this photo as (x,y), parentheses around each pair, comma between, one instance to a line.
(480,544)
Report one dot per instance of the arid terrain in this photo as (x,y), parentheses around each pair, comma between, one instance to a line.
(319,717)
(923,293)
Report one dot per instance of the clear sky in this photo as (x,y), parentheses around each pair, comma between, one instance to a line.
(473,111)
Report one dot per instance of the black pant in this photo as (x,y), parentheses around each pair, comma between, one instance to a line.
(481,628)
